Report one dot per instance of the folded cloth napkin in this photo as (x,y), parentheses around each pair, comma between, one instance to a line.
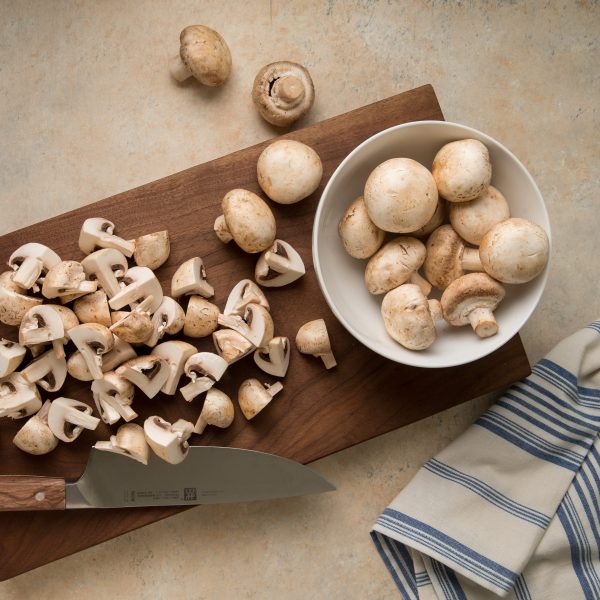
(512,507)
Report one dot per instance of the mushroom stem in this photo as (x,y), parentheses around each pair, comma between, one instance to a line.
(276,387)
(328,360)
(82,419)
(483,322)
(178,69)
(471,260)
(421,282)
(222,230)
(288,88)
(29,271)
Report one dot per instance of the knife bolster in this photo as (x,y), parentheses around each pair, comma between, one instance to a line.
(22,492)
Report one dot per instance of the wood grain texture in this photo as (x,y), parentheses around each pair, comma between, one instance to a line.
(20,492)
(319,412)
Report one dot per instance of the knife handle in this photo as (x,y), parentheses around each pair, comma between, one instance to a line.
(22,492)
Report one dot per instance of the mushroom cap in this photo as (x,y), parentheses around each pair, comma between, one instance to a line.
(249,219)
(473,219)
(206,55)
(288,171)
(400,195)
(231,345)
(439,216)
(201,318)
(514,251)
(313,338)
(443,262)
(253,397)
(190,278)
(35,437)
(283,92)
(407,318)
(152,250)
(467,293)
(393,264)
(134,327)
(93,308)
(360,236)
(217,410)
(462,170)
(66,278)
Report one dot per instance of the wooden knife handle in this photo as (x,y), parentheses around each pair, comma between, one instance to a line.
(21,492)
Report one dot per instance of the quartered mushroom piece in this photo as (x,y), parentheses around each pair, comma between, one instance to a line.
(312,338)
(231,345)
(256,325)
(176,353)
(253,396)
(169,319)
(148,373)
(120,353)
(31,262)
(11,356)
(107,266)
(93,341)
(113,396)
(14,302)
(168,442)
(36,437)
(41,325)
(217,410)
(67,418)
(129,441)
(134,327)
(190,278)
(204,369)
(67,278)
(49,371)
(201,318)
(152,250)
(275,357)
(93,308)
(140,283)
(279,265)
(243,293)
(98,233)
(18,397)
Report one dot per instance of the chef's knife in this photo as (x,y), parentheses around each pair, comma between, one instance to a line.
(208,475)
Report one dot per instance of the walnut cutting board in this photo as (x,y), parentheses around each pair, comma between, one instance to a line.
(318,413)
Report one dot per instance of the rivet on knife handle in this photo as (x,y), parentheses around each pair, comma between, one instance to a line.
(21,492)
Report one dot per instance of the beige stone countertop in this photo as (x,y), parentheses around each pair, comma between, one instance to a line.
(87,109)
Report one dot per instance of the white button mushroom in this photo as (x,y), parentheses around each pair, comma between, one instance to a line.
(92,341)
(312,338)
(217,410)
(360,236)
(473,219)
(204,369)
(288,171)
(148,373)
(176,353)
(18,397)
(201,318)
(243,293)
(93,308)
(11,356)
(49,371)
(134,327)
(67,418)
(203,54)
(140,284)
(439,216)
(396,263)
(129,441)
(113,395)
(35,437)
(231,345)
(190,278)
(462,170)
(279,265)
(168,442)
(67,278)
(472,299)
(246,219)
(30,262)
(98,233)
(256,325)
(409,317)
(152,250)
(120,353)
(14,303)
(107,266)
(168,319)
(43,324)
(448,257)
(400,195)
(514,251)
(274,358)
(253,396)
(283,92)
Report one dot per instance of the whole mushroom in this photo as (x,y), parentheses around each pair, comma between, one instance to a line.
(288,171)
(439,216)
(360,236)
(400,195)
(283,92)
(462,170)
(203,54)
(246,219)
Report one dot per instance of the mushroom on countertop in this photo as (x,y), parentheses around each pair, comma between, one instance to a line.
(274,358)
(360,236)
(472,299)
(93,308)
(43,324)
(279,265)
(204,369)
(168,442)
(313,338)
(217,410)
(134,327)
(67,278)
(176,353)
(283,92)
(35,437)
(400,195)
(129,441)
(203,54)
(152,250)
(190,278)
(462,170)
(67,418)
(140,284)
(49,371)
(246,219)
(113,396)
(288,171)
(97,232)
(256,325)
(168,319)
(120,353)
(92,341)
(31,262)
(107,266)
(231,345)
(148,373)
(409,317)
(253,396)
(243,293)
(473,219)
(201,318)
(514,251)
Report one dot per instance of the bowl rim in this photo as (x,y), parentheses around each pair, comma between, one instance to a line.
(316,257)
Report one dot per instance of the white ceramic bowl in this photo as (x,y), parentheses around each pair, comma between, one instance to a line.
(341,277)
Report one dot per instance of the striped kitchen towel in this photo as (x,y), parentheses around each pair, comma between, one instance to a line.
(512,507)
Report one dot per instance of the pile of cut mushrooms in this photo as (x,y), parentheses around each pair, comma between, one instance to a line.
(403,197)
(118,318)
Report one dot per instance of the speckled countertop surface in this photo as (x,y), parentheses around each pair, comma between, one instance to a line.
(87,109)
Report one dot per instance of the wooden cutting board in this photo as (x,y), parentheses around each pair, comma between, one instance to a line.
(318,413)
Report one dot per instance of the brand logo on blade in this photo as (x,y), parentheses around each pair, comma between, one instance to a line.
(190,494)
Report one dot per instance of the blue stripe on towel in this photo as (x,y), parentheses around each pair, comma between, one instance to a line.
(587,510)
(488,493)
(448,547)
(408,591)
(595,326)
(521,590)
(448,581)
(567,382)
(422,578)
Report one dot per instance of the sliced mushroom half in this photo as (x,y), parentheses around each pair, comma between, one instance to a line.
(14,303)
(217,410)
(108,266)
(256,325)
(148,373)
(11,356)
(31,262)
(169,318)
(231,345)
(114,394)
(275,357)
(129,441)
(18,397)
(204,369)
(176,353)
(98,233)
(168,442)
(67,418)
(35,437)
(190,278)
(67,278)
(92,341)
(48,371)
(140,283)
(253,396)
(242,294)
(279,265)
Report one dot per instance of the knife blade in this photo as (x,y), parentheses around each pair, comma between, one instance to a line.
(208,475)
